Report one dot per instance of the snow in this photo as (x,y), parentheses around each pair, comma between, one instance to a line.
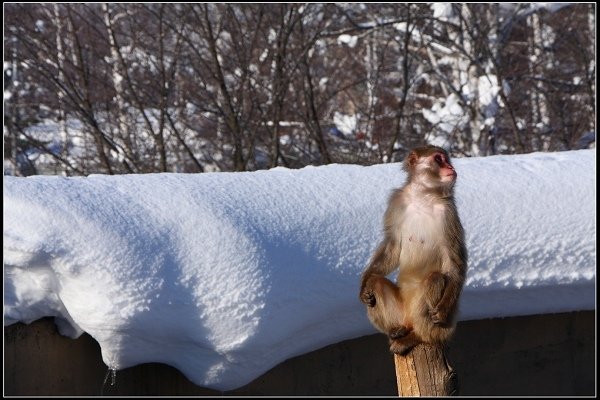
(488,89)
(442,11)
(345,123)
(225,275)
(524,10)
(446,117)
(348,40)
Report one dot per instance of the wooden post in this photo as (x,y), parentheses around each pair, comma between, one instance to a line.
(425,371)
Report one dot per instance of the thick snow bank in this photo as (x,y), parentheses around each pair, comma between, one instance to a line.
(225,275)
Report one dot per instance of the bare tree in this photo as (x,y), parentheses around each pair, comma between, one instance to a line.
(121,88)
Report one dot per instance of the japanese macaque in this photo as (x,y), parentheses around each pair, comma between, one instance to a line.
(424,238)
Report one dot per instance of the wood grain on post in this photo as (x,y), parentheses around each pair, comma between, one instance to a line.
(424,371)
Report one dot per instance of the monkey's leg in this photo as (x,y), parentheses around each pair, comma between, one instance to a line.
(387,312)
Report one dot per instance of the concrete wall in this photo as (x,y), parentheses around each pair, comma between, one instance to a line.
(535,355)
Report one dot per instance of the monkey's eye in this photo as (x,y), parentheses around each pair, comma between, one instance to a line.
(438,159)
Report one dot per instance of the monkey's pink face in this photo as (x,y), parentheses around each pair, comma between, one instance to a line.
(446,170)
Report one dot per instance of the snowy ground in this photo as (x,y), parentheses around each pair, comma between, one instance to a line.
(225,275)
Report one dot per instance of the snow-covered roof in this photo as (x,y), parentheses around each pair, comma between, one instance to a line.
(225,275)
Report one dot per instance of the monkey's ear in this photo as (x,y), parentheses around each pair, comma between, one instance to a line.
(412,159)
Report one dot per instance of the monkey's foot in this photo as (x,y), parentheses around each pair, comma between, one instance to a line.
(401,347)
(398,333)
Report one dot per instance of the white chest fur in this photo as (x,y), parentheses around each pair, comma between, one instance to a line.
(420,233)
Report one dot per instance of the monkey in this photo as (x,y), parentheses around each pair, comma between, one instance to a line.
(424,240)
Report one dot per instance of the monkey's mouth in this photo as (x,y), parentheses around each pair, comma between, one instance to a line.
(448,174)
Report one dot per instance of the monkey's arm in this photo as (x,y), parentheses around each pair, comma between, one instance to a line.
(384,260)
(386,257)
(443,289)
(449,287)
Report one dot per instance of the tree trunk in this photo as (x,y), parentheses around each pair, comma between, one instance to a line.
(62,114)
(425,372)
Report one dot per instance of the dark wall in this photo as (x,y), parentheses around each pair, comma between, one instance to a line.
(551,354)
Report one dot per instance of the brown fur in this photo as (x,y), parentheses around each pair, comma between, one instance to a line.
(421,228)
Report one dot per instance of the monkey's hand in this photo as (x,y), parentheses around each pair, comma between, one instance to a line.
(367,297)
(438,316)
(366,294)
